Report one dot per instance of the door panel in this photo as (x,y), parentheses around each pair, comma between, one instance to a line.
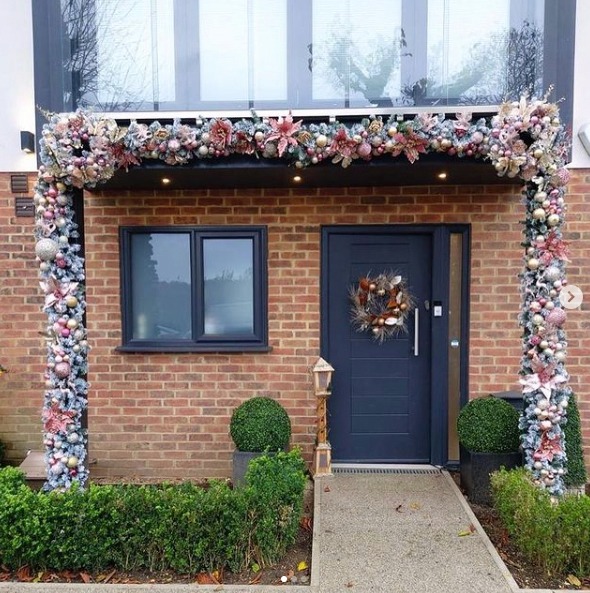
(379,410)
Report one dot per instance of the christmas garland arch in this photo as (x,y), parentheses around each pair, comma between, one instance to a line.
(525,139)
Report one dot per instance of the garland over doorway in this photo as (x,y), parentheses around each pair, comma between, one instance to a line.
(524,139)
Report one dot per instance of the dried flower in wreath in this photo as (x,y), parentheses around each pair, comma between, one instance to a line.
(381,305)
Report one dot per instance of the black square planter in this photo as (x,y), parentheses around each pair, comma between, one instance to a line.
(241,460)
(476,469)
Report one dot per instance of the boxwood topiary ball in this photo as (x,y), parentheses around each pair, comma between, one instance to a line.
(489,425)
(260,424)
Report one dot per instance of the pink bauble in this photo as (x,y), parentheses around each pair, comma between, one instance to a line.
(556,317)
(364,150)
(62,369)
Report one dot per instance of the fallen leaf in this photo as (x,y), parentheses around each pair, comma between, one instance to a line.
(415,506)
(255,580)
(398,508)
(306,523)
(255,567)
(85,577)
(349,584)
(302,565)
(38,577)
(573,580)
(326,488)
(465,532)
(290,574)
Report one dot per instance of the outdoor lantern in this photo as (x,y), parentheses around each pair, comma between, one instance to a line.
(322,383)
(322,377)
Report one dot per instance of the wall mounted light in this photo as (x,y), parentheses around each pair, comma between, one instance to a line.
(27,142)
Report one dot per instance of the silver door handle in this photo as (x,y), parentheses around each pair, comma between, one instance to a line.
(416,331)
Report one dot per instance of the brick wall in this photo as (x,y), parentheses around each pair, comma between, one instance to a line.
(22,349)
(167,414)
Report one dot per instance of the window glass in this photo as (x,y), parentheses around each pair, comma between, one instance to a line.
(243,50)
(161,286)
(483,52)
(178,55)
(122,52)
(228,286)
(357,51)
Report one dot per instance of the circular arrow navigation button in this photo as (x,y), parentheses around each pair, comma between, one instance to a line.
(571,296)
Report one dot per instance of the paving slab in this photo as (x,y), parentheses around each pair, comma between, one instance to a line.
(400,533)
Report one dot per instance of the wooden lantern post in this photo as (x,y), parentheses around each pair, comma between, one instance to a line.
(322,383)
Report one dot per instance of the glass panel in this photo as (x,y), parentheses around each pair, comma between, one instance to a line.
(482,53)
(357,50)
(455,312)
(229,286)
(243,50)
(158,55)
(161,286)
(122,52)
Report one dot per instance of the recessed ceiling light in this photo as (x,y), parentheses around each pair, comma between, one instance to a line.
(297,178)
(442,175)
(165,180)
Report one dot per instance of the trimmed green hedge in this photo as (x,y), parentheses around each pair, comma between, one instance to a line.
(185,528)
(576,470)
(554,536)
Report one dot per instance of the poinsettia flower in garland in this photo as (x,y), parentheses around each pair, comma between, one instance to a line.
(410,143)
(283,130)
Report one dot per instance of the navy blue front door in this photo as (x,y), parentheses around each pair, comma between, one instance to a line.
(379,409)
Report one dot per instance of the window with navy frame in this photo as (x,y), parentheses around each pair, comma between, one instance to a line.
(194,289)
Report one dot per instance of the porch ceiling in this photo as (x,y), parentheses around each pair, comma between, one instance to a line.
(240,172)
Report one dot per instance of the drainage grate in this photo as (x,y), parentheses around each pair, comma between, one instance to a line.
(386,470)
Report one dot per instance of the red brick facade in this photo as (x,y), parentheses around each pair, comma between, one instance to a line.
(167,415)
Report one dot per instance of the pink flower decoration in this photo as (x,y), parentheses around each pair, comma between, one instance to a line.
(243,143)
(410,144)
(56,291)
(533,382)
(55,420)
(342,147)
(283,130)
(220,133)
(123,157)
(556,246)
(548,448)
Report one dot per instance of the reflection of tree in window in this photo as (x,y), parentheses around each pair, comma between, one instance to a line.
(373,73)
(114,54)
(503,65)
(229,302)
(161,288)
